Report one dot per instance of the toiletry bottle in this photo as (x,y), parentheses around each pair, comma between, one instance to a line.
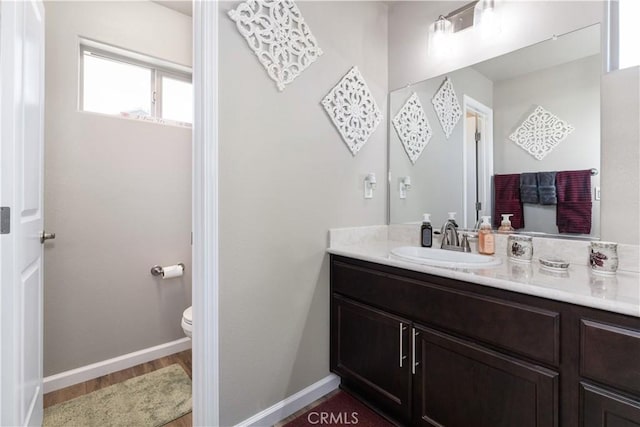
(486,239)
(505,225)
(426,231)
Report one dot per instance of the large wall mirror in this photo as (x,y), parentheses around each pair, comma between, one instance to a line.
(498,98)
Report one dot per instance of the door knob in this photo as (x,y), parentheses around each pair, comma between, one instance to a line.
(47,236)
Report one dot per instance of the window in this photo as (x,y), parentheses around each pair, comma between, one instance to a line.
(117,82)
(624,33)
(629,33)
(177,98)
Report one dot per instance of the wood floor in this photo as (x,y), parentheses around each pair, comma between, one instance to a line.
(68,393)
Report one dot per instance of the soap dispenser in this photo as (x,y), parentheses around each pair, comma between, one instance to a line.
(452,218)
(505,225)
(426,231)
(486,239)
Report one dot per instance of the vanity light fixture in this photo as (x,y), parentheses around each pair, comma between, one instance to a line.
(480,14)
(369,185)
(405,185)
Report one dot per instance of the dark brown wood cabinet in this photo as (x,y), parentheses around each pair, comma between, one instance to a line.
(431,351)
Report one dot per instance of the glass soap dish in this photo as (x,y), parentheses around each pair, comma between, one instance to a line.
(554,264)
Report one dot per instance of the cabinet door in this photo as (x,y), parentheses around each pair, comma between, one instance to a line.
(460,384)
(602,408)
(369,350)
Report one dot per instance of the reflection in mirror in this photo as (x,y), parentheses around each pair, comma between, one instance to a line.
(498,134)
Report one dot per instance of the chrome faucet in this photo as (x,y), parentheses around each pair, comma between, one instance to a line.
(450,238)
(449,235)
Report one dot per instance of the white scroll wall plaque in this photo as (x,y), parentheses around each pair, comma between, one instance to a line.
(447,107)
(413,128)
(279,36)
(541,132)
(353,110)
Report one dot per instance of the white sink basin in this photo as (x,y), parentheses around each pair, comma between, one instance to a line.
(445,258)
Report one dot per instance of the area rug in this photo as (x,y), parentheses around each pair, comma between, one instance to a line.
(152,399)
(340,410)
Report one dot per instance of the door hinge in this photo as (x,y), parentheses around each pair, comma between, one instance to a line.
(478,206)
(5,220)
(478,136)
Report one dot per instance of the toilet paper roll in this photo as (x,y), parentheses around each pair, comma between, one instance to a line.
(172,271)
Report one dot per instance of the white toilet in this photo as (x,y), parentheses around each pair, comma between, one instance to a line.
(187,325)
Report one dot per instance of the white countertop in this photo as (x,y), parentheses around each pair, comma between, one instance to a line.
(619,293)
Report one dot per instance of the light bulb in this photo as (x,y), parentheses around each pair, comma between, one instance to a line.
(487,19)
(440,37)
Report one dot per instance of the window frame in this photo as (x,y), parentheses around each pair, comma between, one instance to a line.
(158,68)
(612,13)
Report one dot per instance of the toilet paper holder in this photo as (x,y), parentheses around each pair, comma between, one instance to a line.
(157,270)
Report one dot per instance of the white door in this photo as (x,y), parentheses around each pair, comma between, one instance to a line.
(477,153)
(21,173)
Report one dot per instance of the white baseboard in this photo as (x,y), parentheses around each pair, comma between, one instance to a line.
(293,404)
(95,370)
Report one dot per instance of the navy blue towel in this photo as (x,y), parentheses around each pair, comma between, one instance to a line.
(547,188)
(529,188)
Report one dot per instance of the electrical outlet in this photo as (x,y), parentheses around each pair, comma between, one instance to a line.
(596,193)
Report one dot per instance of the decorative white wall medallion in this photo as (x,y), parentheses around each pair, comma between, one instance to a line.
(353,110)
(541,132)
(412,127)
(278,35)
(447,107)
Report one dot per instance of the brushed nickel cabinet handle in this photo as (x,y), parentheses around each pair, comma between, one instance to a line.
(414,362)
(402,355)
(401,344)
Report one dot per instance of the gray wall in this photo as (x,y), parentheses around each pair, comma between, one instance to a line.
(437,175)
(621,156)
(572,92)
(117,195)
(286,177)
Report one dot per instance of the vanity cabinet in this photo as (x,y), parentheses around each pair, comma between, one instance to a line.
(432,351)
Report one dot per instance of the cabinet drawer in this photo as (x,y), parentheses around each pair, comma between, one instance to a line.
(522,329)
(610,354)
